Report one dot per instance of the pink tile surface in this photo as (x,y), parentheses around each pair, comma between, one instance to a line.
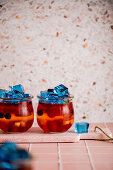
(81,143)
(76,166)
(45,158)
(73,150)
(101,150)
(74,158)
(94,143)
(44,148)
(104,166)
(45,166)
(83,155)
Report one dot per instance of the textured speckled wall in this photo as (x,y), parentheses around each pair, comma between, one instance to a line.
(44,43)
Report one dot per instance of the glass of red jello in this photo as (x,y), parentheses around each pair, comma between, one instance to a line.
(55,116)
(16,115)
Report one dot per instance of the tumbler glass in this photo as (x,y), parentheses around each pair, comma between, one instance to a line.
(55,117)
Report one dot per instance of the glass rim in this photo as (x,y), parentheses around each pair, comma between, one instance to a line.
(61,98)
(10,98)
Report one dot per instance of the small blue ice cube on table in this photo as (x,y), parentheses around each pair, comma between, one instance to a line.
(61,90)
(17,89)
(81,127)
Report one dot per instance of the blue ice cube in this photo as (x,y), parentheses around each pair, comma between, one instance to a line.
(81,127)
(9,94)
(61,90)
(44,94)
(50,91)
(26,95)
(17,89)
(3,93)
(18,95)
(52,98)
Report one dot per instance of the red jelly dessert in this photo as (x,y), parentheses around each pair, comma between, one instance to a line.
(16,110)
(16,117)
(55,117)
(55,112)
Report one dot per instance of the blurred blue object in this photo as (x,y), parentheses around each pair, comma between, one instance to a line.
(23,154)
(81,127)
(3,154)
(10,146)
(9,152)
(6,151)
(5,166)
(13,157)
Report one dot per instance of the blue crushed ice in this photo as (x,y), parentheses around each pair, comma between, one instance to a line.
(55,96)
(17,92)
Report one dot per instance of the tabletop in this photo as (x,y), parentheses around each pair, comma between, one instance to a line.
(85,154)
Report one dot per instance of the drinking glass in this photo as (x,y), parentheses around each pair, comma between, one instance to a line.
(55,117)
(16,115)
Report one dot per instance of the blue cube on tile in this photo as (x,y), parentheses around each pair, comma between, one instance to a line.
(81,127)
(61,90)
(17,89)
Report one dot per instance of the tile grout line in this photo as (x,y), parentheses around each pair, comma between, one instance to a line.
(59,157)
(29,147)
(89,154)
